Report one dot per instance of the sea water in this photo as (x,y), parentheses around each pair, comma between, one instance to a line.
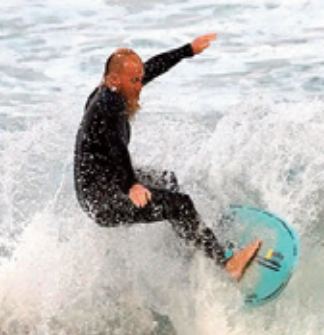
(241,123)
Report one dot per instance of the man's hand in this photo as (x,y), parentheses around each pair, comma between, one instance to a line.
(202,42)
(139,195)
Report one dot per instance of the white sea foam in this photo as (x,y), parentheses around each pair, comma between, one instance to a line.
(241,123)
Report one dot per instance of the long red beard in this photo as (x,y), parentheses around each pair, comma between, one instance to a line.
(132,107)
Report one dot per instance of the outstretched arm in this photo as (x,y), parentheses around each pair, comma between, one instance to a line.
(161,63)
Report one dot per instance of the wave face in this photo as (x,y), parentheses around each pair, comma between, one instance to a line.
(241,123)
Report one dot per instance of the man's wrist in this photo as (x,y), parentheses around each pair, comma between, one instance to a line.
(188,50)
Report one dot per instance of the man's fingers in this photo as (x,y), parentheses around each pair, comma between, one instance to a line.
(206,38)
(136,199)
(140,195)
(205,44)
(209,37)
(142,199)
(207,41)
(202,42)
(148,195)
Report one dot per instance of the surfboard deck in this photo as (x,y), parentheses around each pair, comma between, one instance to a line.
(271,270)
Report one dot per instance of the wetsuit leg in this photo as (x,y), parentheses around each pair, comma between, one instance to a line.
(175,207)
(158,179)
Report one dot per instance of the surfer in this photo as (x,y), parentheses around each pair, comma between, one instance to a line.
(108,188)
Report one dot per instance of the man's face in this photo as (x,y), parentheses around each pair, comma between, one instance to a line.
(130,79)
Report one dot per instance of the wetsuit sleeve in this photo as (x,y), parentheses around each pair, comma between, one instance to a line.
(160,64)
(126,173)
(118,152)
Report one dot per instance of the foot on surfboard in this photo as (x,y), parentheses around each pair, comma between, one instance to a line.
(241,259)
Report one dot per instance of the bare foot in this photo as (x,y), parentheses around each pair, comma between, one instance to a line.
(238,263)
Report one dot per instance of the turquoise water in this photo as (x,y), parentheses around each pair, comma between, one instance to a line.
(241,123)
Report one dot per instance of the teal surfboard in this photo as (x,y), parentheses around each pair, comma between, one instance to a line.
(277,258)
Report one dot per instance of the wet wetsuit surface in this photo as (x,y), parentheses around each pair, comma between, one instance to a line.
(104,173)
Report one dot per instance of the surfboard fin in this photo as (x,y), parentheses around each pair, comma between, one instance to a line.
(241,259)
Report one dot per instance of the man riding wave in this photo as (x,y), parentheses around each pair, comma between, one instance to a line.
(109,189)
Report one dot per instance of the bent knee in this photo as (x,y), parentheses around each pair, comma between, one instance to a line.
(184,201)
(171,181)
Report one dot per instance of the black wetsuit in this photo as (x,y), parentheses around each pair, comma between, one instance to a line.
(104,172)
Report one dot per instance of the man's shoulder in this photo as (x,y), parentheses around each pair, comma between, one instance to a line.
(103,99)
